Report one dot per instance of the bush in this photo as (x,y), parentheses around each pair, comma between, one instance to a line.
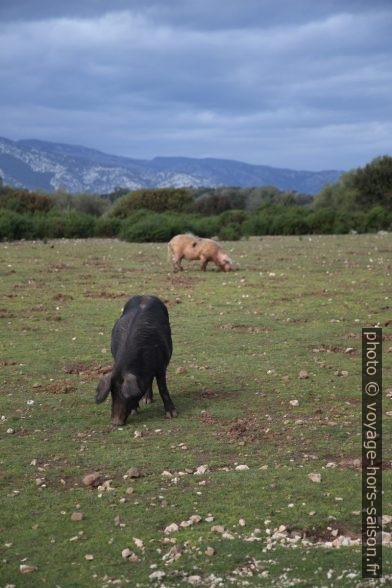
(15,226)
(23,201)
(78,224)
(152,228)
(230,232)
(155,200)
(107,226)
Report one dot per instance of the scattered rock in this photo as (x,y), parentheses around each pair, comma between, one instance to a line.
(166,474)
(126,553)
(130,490)
(194,580)
(134,473)
(181,370)
(173,554)
(341,373)
(201,470)
(157,575)
(26,569)
(210,551)
(241,468)
(106,486)
(171,528)
(92,479)
(315,477)
(89,556)
(138,542)
(303,375)
(77,516)
(137,434)
(195,518)
(218,528)
(294,402)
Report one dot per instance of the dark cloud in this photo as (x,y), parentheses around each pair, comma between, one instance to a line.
(303,84)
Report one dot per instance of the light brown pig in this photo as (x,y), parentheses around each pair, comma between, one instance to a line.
(190,247)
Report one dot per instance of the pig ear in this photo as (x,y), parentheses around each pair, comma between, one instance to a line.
(130,387)
(103,388)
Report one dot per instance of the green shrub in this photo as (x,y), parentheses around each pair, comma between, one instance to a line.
(23,201)
(78,224)
(230,232)
(155,200)
(151,228)
(107,226)
(14,226)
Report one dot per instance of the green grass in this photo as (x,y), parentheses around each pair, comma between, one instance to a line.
(242,339)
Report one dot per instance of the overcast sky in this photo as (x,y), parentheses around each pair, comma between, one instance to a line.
(302,84)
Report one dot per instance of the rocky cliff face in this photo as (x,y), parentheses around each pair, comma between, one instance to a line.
(48,166)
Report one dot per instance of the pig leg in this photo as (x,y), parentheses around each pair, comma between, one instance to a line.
(170,409)
(148,398)
(177,263)
(204,262)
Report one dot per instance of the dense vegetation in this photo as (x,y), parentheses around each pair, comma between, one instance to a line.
(360,201)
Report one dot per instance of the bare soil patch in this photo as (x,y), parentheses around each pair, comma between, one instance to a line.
(333,349)
(105,294)
(86,369)
(62,297)
(243,328)
(58,267)
(60,388)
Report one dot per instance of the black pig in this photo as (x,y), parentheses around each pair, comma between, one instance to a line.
(141,348)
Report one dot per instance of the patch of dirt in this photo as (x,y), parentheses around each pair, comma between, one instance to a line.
(303,294)
(243,328)
(359,336)
(356,464)
(183,282)
(95,262)
(332,349)
(60,388)
(5,362)
(62,297)
(12,295)
(105,294)
(130,269)
(206,417)
(210,394)
(58,267)
(325,534)
(5,314)
(87,370)
(54,318)
(247,429)
(39,308)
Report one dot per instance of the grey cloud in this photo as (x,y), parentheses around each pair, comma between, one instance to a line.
(188,78)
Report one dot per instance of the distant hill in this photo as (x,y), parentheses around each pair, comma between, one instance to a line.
(41,165)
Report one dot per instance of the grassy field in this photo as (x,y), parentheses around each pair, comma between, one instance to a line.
(240,342)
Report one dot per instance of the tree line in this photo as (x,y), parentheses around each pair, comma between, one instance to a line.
(360,201)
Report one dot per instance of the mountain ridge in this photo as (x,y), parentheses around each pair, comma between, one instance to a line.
(43,165)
